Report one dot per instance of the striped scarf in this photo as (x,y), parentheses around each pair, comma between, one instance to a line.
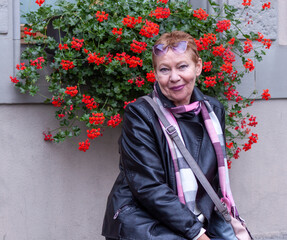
(186,182)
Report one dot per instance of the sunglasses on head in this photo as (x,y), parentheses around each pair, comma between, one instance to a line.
(160,50)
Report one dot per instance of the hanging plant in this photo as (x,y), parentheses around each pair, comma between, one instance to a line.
(101,60)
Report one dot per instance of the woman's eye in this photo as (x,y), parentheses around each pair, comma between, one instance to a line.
(183,67)
(163,70)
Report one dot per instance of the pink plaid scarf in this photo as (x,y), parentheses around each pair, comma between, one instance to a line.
(185,179)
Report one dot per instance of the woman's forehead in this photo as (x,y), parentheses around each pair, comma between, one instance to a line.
(172,57)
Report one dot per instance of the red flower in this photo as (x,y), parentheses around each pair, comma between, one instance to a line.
(94,133)
(236,155)
(116,31)
(238,99)
(37,62)
(149,30)
(139,81)
(126,103)
(94,58)
(234,75)
(61,115)
(48,136)
(101,16)
(229,162)
(77,43)
(223,25)
(163,1)
(229,145)
(252,121)
(134,62)
(231,93)
(205,42)
(249,65)
(108,58)
(220,76)
(138,47)
(210,81)
(57,102)
(160,12)
(227,67)
(260,37)
(114,121)
(231,42)
(84,146)
(64,46)
(14,80)
(66,64)
(72,91)
(200,13)
(29,32)
(265,95)
(90,103)
(131,22)
(21,67)
(40,2)
(207,66)
(150,77)
(218,51)
(131,61)
(252,139)
(97,118)
(266,5)
(246,3)
(228,56)
(248,46)
(267,43)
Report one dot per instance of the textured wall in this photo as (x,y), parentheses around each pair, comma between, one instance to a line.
(52,192)
(55,192)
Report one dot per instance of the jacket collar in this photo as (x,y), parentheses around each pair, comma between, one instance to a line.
(197,95)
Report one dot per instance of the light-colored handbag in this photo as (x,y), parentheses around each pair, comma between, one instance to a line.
(240,230)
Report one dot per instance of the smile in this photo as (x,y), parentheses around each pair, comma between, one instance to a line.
(177,88)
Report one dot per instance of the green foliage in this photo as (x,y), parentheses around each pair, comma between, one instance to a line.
(106,82)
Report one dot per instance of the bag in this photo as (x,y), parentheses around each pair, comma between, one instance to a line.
(238,225)
(240,229)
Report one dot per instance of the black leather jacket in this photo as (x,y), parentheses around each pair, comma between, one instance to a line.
(143,203)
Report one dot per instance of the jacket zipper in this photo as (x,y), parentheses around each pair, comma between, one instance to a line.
(118,211)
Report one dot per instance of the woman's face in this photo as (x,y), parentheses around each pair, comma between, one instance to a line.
(176,74)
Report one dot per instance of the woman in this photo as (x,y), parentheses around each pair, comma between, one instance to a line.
(144,202)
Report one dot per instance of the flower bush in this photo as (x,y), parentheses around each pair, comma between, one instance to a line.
(101,60)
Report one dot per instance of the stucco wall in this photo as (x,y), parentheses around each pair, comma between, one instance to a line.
(50,191)
(55,192)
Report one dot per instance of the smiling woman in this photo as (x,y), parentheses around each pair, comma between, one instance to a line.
(156,195)
(177,66)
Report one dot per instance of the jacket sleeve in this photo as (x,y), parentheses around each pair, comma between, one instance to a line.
(143,167)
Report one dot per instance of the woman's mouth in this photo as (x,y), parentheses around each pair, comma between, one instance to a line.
(177,88)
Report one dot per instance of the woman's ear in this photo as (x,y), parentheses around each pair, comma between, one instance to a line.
(198,67)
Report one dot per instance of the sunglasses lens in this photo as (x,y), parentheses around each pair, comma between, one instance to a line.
(158,50)
(181,47)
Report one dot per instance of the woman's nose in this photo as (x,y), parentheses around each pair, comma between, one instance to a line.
(174,76)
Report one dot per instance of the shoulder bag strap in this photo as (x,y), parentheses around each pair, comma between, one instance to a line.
(190,160)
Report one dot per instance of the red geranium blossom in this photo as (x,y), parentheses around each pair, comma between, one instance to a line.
(249,65)
(223,25)
(266,95)
(200,14)
(266,5)
(40,2)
